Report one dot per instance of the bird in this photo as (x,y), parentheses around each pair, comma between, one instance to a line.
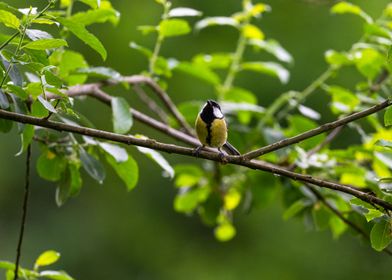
(211,129)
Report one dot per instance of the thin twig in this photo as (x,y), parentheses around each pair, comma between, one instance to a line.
(138,79)
(151,104)
(316,131)
(24,211)
(214,156)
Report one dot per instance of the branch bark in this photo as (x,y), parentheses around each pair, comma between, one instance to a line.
(316,131)
(214,156)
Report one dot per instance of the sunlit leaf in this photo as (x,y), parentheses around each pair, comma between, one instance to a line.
(51,166)
(251,31)
(212,21)
(117,152)
(47,258)
(295,209)
(231,199)
(225,232)
(55,275)
(48,106)
(188,200)
(369,62)
(36,34)
(184,12)
(173,27)
(373,214)
(44,44)
(9,19)
(338,58)
(214,60)
(96,16)
(101,73)
(344,7)
(343,100)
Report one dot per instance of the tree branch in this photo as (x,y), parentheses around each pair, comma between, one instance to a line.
(316,131)
(214,156)
(139,79)
(24,212)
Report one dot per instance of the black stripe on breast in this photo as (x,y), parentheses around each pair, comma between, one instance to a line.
(209,133)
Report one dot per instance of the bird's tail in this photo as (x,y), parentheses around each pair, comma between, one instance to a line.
(230,149)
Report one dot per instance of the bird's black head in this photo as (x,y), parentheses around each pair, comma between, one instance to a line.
(211,111)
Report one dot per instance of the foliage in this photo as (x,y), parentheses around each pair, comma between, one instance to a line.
(45,259)
(38,68)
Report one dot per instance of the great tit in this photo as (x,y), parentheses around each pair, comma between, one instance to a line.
(211,128)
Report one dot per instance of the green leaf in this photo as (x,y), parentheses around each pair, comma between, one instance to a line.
(159,159)
(343,100)
(252,32)
(117,152)
(26,138)
(18,91)
(121,115)
(67,62)
(348,8)
(380,235)
(373,214)
(51,166)
(184,12)
(337,58)
(173,27)
(83,34)
(214,60)
(147,29)
(187,175)
(47,258)
(44,44)
(128,170)
(52,79)
(146,52)
(243,102)
(321,216)
(274,48)
(96,16)
(338,227)
(213,21)
(48,106)
(269,68)
(92,166)
(295,209)
(225,232)
(388,117)
(103,73)
(198,71)
(55,275)
(38,110)
(187,201)
(9,19)
(369,62)
(384,157)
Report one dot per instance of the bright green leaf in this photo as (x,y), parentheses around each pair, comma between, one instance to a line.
(55,275)
(251,31)
(117,152)
(47,258)
(173,27)
(83,34)
(225,232)
(369,62)
(143,50)
(103,73)
(44,44)
(346,7)
(96,16)
(343,100)
(9,19)
(214,60)
(373,214)
(274,48)
(337,59)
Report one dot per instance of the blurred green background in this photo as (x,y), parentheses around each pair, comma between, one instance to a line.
(107,233)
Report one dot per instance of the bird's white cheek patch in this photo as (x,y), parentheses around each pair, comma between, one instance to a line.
(217,113)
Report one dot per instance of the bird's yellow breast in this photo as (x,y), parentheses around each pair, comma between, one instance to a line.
(213,134)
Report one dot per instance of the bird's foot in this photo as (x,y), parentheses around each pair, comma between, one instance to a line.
(222,156)
(197,150)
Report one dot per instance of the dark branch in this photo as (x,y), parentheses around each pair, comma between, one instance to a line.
(214,156)
(24,212)
(321,129)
